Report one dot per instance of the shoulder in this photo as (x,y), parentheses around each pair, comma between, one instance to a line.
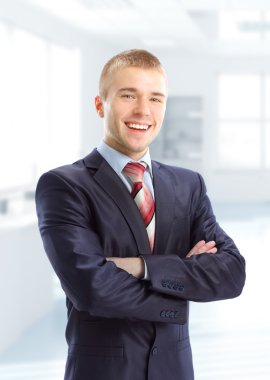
(178,174)
(76,172)
(68,173)
(186,183)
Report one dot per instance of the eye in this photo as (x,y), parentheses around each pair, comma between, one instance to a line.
(156,100)
(127,96)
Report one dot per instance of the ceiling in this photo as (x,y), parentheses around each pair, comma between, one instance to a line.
(159,23)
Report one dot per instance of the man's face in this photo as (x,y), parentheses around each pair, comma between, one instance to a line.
(134,109)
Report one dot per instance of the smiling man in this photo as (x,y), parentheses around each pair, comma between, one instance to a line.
(133,108)
(132,240)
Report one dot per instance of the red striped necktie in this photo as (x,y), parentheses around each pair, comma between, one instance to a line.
(142,197)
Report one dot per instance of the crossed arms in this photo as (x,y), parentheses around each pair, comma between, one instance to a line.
(135,265)
(77,242)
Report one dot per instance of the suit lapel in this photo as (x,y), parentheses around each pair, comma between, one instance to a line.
(164,203)
(110,182)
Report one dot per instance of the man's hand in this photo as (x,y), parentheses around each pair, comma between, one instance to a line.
(132,265)
(203,247)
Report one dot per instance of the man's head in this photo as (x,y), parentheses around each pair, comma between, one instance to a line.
(132,101)
(129,58)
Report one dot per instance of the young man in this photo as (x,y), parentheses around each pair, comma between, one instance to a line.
(132,240)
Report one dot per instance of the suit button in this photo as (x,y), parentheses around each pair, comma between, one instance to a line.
(163,313)
(176,314)
(172,313)
(154,350)
(167,314)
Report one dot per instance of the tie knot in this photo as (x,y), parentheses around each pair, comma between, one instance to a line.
(135,171)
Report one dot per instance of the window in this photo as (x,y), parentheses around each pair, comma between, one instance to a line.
(244,121)
(39,96)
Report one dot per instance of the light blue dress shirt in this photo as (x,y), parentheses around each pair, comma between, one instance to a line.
(118,161)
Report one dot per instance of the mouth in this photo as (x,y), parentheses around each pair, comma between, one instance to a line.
(138,127)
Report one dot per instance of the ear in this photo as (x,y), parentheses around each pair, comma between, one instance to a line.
(99,106)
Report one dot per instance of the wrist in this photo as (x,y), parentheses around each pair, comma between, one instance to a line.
(140,268)
(132,265)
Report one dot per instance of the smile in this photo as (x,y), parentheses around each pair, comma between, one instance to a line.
(138,126)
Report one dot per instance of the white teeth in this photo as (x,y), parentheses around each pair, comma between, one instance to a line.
(138,126)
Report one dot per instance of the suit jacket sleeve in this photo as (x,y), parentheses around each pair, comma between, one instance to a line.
(68,228)
(205,277)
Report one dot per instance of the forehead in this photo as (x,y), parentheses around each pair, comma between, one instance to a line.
(144,80)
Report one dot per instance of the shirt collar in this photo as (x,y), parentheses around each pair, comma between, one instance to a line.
(118,160)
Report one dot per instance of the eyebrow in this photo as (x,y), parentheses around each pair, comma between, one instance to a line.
(132,89)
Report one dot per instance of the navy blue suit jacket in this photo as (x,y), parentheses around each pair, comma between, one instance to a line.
(120,327)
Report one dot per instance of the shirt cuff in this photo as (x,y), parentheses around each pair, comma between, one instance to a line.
(146,273)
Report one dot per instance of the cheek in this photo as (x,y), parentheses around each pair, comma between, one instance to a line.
(159,111)
(160,117)
(114,125)
(116,114)
(110,117)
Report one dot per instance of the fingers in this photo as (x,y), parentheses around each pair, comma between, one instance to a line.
(203,247)
(213,250)
(196,248)
(207,247)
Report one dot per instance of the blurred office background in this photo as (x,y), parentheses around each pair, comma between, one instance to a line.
(217,56)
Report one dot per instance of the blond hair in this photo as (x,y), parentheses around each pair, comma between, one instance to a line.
(128,58)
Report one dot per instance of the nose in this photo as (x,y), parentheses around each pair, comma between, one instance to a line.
(142,107)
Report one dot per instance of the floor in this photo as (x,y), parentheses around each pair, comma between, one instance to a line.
(230,339)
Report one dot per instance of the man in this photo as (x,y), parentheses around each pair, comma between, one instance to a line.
(131,252)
